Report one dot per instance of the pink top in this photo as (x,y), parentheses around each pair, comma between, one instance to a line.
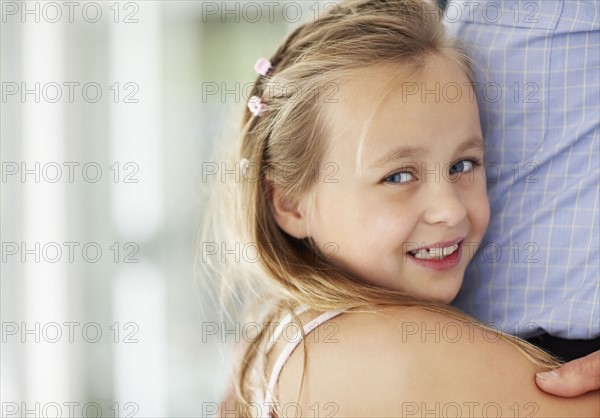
(292,343)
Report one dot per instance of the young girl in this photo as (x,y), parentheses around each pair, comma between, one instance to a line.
(363,193)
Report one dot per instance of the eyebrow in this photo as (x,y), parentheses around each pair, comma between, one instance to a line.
(403,152)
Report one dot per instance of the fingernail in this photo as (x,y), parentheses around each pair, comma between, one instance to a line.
(552,374)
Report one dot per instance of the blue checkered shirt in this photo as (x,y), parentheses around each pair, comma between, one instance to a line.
(538,88)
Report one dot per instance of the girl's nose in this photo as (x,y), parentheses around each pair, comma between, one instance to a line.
(444,204)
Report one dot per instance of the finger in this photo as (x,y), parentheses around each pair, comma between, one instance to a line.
(572,379)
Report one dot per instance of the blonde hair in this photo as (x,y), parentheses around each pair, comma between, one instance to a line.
(289,138)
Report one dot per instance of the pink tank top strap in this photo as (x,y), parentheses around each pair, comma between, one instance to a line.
(289,348)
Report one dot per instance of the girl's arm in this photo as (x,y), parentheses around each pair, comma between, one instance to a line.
(417,363)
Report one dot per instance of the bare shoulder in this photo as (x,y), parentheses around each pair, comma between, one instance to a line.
(413,362)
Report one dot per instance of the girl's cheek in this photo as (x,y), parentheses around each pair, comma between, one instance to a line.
(481,208)
(487,213)
(391,227)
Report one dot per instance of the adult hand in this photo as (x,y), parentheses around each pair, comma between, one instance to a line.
(573,378)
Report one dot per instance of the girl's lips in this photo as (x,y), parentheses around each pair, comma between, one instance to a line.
(444,263)
(441,244)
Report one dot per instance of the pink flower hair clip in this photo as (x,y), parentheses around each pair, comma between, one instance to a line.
(256,106)
(262,66)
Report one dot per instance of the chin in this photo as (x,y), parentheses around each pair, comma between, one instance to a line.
(445,296)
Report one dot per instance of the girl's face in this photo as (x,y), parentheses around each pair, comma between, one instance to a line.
(405,206)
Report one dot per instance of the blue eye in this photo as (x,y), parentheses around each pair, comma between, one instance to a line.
(399,177)
(463,166)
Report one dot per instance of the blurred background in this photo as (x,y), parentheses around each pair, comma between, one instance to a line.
(109,114)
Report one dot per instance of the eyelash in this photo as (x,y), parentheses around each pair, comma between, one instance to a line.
(475,162)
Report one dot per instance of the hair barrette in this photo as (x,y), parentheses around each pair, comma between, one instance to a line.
(256,106)
(244,163)
(262,66)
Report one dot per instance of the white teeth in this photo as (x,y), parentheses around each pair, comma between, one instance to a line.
(435,253)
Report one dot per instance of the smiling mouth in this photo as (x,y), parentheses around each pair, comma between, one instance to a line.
(434,253)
